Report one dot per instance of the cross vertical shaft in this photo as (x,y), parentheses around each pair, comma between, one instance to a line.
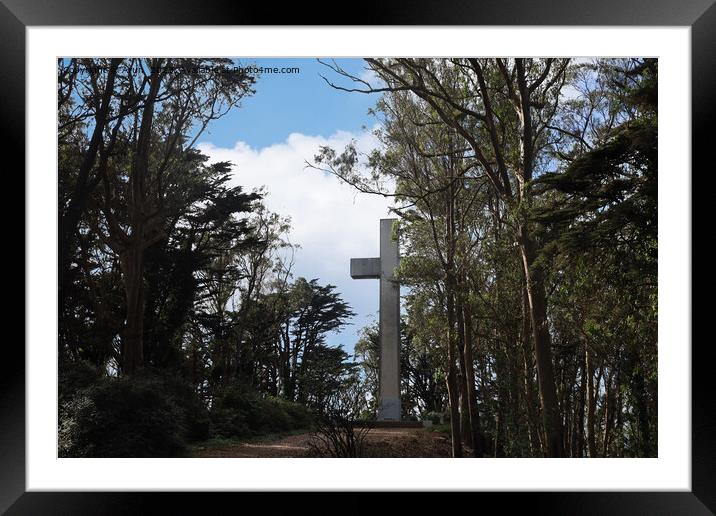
(389,325)
(383,268)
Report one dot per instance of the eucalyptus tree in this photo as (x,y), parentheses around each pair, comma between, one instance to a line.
(600,220)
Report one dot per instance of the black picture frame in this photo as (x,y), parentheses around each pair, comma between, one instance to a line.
(17,15)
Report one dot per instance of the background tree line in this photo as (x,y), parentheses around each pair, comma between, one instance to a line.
(179,317)
(527,196)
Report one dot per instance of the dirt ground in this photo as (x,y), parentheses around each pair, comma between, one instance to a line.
(380,442)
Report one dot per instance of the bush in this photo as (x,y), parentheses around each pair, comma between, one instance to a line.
(337,434)
(299,415)
(243,413)
(195,416)
(435,417)
(122,417)
(73,377)
(339,431)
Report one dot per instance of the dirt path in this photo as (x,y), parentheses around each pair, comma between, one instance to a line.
(381,442)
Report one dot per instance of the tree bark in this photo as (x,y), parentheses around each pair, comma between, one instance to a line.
(534,281)
(465,423)
(580,410)
(478,439)
(132,338)
(591,404)
(132,257)
(608,413)
(450,290)
(452,381)
(532,409)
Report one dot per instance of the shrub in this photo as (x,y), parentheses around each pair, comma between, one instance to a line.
(73,377)
(271,416)
(242,413)
(231,412)
(435,417)
(337,434)
(300,415)
(122,417)
(339,430)
(195,416)
(227,423)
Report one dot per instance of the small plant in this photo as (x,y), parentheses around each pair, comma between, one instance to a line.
(338,430)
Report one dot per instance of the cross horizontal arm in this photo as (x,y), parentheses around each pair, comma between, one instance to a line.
(365,268)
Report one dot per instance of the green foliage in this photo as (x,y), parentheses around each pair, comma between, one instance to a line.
(605,200)
(239,412)
(196,423)
(122,417)
(310,311)
(421,387)
(73,377)
(434,417)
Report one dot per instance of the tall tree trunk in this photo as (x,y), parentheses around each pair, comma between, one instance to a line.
(618,426)
(452,380)
(536,440)
(502,403)
(132,338)
(450,290)
(286,374)
(608,413)
(465,423)
(579,422)
(569,404)
(534,281)
(478,439)
(132,258)
(591,404)
(647,444)
(534,276)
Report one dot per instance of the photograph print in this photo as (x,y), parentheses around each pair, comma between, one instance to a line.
(214,216)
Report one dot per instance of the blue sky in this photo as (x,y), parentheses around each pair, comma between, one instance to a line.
(294,103)
(270,137)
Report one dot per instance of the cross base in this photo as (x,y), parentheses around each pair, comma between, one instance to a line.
(389,424)
(389,409)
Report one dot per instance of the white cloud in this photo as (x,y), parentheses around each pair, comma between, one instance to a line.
(368,75)
(330,221)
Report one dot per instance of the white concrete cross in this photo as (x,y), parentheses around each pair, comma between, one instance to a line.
(383,268)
